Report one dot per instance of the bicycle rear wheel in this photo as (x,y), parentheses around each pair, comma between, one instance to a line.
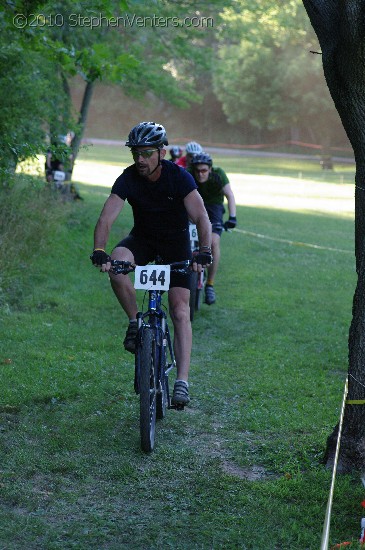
(200,283)
(147,389)
(194,294)
(163,396)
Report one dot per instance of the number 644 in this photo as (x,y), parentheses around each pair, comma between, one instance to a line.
(152,277)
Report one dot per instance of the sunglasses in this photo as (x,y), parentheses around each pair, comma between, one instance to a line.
(144,154)
(202,170)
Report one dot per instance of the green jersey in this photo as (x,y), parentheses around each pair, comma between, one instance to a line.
(221,173)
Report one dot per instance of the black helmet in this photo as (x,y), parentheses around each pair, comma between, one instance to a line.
(147,133)
(202,158)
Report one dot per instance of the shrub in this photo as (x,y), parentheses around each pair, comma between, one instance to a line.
(31,214)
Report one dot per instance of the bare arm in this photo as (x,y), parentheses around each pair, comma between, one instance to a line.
(198,214)
(110,212)
(228,193)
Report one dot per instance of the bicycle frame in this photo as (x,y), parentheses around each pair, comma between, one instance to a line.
(198,280)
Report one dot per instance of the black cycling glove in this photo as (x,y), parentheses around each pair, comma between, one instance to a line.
(99,257)
(230,223)
(203,258)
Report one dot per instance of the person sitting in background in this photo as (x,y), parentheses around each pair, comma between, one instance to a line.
(213,188)
(175,153)
(59,157)
(52,165)
(191,149)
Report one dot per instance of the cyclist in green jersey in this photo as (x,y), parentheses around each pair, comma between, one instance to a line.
(213,186)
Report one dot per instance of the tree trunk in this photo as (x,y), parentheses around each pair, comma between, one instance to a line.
(76,142)
(66,116)
(340,31)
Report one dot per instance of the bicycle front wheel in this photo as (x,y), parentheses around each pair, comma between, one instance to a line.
(147,389)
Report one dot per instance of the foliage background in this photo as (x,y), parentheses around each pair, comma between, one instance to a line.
(247,77)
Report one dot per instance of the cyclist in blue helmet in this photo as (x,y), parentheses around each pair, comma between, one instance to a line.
(163,197)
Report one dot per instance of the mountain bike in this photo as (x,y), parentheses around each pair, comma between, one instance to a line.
(198,280)
(154,356)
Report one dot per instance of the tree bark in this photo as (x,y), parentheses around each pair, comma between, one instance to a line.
(340,30)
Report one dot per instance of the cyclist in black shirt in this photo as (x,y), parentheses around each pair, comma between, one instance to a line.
(163,197)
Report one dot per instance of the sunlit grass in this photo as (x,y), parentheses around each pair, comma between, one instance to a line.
(106,157)
(315,191)
(290,167)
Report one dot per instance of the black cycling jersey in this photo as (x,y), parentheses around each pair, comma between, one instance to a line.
(158,206)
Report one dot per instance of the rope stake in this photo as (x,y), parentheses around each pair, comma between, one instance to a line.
(327,520)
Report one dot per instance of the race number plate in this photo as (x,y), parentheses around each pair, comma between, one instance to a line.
(193,236)
(59,176)
(193,232)
(152,277)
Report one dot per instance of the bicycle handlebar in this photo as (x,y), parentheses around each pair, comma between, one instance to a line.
(121,266)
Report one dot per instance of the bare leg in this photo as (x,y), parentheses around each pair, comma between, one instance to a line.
(122,285)
(180,315)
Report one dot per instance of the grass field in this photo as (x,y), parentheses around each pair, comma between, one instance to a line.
(241,467)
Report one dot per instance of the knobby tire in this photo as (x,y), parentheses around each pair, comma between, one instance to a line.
(147,388)
(199,292)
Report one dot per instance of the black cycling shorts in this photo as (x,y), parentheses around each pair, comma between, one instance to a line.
(147,249)
(215,213)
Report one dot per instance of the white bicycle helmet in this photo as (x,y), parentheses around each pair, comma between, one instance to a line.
(193,148)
